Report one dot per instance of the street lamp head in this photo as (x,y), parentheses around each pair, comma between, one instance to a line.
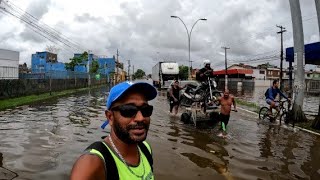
(174,16)
(203,19)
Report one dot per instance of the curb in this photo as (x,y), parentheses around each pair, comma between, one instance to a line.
(297,127)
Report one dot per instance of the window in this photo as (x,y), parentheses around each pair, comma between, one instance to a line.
(261,72)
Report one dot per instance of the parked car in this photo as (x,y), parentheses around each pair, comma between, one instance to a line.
(182,83)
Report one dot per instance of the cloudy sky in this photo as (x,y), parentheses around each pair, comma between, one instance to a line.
(143,31)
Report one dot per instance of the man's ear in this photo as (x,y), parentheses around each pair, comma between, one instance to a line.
(109,116)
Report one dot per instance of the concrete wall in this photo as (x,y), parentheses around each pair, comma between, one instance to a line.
(235,84)
(9,64)
(22,87)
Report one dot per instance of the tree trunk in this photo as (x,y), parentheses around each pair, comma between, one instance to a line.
(299,80)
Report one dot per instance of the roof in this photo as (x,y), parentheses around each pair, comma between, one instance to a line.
(312,53)
(234,71)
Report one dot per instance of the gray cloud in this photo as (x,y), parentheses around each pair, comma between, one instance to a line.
(145,28)
(37,9)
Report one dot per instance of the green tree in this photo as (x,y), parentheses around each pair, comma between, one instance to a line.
(139,74)
(76,61)
(183,72)
(94,66)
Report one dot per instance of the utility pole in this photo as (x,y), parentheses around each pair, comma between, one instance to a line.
(88,69)
(117,65)
(191,69)
(282,30)
(129,79)
(316,123)
(50,75)
(298,41)
(226,67)
(132,71)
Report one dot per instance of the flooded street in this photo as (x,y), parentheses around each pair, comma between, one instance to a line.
(42,141)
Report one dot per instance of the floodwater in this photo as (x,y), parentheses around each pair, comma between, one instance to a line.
(42,141)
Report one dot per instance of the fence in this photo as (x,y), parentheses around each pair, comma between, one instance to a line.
(8,72)
(55,75)
(235,84)
(21,87)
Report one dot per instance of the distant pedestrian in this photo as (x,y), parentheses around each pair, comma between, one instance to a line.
(175,97)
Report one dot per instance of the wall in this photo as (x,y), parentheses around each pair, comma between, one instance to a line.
(22,87)
(106,66)
(9,64)
(257,75)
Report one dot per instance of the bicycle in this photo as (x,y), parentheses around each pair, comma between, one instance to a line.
(283,113)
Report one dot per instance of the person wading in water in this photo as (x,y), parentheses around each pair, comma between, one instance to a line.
(175,97)
(226,101)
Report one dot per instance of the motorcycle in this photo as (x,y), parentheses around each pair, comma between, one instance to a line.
(206,94)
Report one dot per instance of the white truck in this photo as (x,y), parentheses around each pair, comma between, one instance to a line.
(164,71)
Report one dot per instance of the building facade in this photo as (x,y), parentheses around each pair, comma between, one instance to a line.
(9,64)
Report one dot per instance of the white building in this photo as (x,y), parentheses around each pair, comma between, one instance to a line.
(9,64)
(259,74)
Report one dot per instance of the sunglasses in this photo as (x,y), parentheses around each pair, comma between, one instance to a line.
(131,110)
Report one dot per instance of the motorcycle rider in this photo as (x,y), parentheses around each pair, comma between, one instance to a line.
(202,74)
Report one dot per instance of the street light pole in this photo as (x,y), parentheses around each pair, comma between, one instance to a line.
(189,38)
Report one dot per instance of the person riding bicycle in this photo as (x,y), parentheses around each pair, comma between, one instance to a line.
(272,93)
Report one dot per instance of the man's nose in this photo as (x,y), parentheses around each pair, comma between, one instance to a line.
(139,116)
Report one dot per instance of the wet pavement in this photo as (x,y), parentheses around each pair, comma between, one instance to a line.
(43,140)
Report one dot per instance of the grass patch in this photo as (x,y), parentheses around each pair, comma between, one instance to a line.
(14,102)
(252,106)
(307,125)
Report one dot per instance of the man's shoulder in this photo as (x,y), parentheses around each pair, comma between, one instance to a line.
(88,166)
(147,145)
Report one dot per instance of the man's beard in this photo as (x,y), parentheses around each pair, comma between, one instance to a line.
(123,132)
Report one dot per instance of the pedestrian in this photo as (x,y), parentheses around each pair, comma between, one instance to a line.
(124,153)
(226,101)
(175,96)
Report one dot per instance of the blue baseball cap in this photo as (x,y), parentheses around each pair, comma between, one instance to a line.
(120,89)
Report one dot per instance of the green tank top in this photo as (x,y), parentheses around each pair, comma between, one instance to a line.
(123,171)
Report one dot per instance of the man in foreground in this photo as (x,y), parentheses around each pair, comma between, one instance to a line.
(226,101)
(123,154)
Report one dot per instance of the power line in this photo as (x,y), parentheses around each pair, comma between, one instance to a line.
(47,26)
(35,25)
